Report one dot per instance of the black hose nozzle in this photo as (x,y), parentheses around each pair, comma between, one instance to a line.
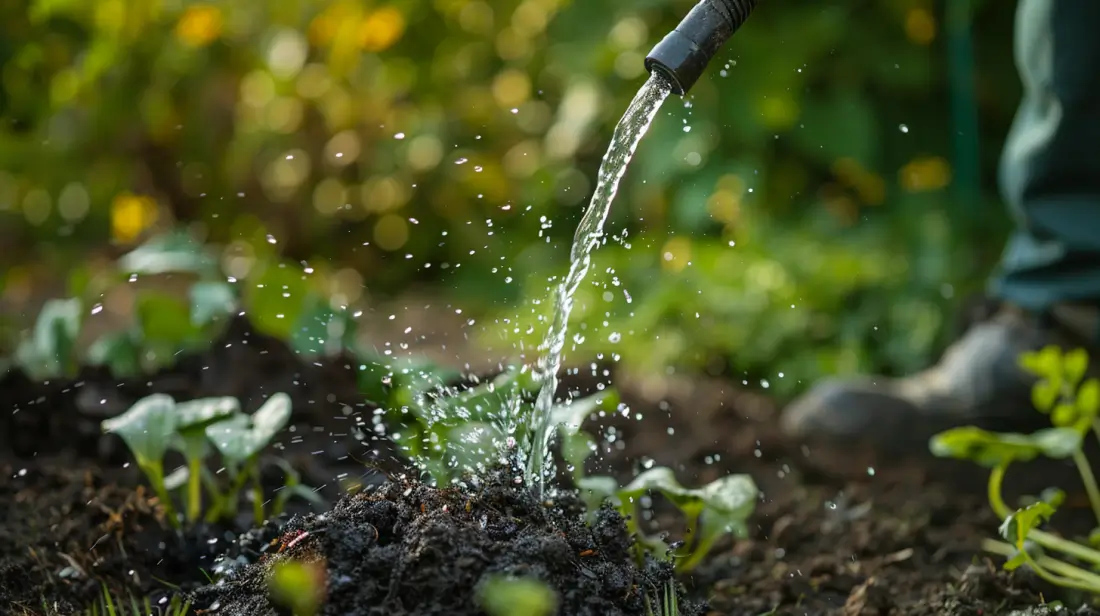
(685,52)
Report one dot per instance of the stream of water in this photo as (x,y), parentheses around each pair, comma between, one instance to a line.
(628,134)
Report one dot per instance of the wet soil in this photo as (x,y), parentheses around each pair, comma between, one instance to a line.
(405,548)
(835,532)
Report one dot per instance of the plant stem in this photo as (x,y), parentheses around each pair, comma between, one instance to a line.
(194,489)
(155,472)
(257,499)
(1043,538)
(1053,564)
(1089,480)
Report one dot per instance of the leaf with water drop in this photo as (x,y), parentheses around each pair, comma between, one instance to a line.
(119,351)
(275,300)
(322,329)
(146,427)
(240,437)
(49,351)
(173,252)
(211,301)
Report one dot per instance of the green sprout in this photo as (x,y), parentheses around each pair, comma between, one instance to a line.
(298,586)
(667,605)
(147,429)
(157,423)
(1072,402)
(50,351)
(511,596)
(712,511)
(110,605)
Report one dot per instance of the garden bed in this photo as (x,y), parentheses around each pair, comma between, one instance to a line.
(832,534)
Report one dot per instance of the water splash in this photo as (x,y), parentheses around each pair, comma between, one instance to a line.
(628,134)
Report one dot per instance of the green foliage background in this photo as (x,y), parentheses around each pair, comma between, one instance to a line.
(812,207)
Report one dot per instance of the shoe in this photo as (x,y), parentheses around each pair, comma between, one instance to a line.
(977,382)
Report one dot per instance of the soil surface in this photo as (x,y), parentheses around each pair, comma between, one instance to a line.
(834,533)
(405,548)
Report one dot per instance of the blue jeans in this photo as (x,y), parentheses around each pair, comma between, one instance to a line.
(1050,168)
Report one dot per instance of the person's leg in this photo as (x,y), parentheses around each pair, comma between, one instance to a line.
(1050,275)
(1050,169)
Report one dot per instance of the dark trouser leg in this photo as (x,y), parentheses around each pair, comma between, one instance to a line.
(1050,169)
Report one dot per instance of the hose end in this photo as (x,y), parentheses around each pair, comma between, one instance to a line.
(679,59)
(684,53)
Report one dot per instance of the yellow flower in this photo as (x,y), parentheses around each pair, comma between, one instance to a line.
(130,215)
(381,29)
(199,25)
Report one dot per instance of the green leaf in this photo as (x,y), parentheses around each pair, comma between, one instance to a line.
(200,412)
(503,596)
(275,300)
(1064,414)
(988,449)
(240,437)
(1074,365)
(299,586)
(1018,525)
(1088,398)
(730,500)
(1057,443)
(1045,393)
(211,301)
(55,332)
(174,252)
(322,330)
(118,351)
(165,318)
(577,445)
(147,427)
(272,417)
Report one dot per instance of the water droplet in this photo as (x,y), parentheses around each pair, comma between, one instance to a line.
(399,136)
(903,128)
(462,161)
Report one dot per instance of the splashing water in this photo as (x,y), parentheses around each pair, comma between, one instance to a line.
(629,132)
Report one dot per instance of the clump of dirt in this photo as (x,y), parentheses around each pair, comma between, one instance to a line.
(405,548)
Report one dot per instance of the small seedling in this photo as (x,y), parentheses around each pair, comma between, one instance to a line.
(110,605)
(665,604)
(712,511)
(156,423)
(509,596)
(50,351)
(1072,402)
(298,586)
(147,429)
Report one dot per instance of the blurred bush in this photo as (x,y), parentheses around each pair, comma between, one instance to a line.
(454,142)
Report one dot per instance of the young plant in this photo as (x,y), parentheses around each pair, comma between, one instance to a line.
(240,439)
(156,423)
(667,605)
(298,586)
(510,596)
(712,511)
(147,428)
(1072,402)
(192,419)
(50,351)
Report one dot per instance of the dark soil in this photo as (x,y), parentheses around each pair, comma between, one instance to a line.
(405,548)
(829,536)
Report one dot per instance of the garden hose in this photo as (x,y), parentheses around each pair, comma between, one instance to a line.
(684,53)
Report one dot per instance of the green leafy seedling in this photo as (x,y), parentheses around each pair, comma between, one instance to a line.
(192,418)
(148,428)
(49,352)
(1072,401)
(174,252)
(712,511)
(509,596)
(240,439)
(298,586)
